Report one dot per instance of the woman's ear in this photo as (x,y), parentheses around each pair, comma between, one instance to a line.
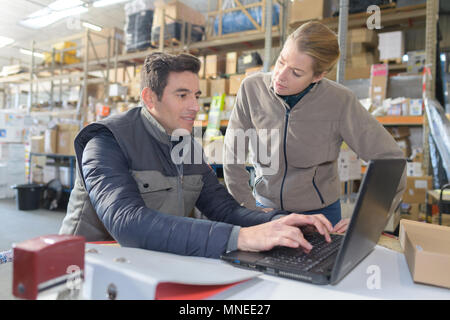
(319,77)
(148,97)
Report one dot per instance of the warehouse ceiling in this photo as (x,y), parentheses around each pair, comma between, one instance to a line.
(15,11)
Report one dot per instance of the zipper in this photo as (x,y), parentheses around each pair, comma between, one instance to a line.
(317,189)
(288,111)
(180,180)
(257,181)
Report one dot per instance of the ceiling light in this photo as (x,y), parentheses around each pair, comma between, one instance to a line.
(104,3)
(55,11)
(92,26)
(4,41)
(29,52)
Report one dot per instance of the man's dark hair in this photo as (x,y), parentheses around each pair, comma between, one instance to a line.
(158,65)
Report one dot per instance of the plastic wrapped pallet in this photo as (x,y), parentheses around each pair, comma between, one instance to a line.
(237,21)
(177,16)
(138,25)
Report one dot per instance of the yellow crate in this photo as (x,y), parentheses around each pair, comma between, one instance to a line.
(65,45)
(68,59)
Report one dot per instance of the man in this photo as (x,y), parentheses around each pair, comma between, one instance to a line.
(130,188)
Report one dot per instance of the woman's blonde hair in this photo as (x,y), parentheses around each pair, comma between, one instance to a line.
(319,42)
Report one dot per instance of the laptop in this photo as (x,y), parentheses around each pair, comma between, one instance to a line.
(328,263)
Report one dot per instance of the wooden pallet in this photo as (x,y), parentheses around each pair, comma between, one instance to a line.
(392,61)
(172,42)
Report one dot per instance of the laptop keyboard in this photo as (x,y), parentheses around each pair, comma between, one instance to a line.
(296,258)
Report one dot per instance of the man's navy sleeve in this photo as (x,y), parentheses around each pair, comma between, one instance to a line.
(119,205)
(218,204)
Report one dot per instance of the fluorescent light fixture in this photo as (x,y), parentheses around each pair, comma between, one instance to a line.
(4,41)
(405,58)
(104,3)
(55,11)
(29,52)
(443,57)
(92,26)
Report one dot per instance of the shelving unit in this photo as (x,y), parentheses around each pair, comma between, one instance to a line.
(59,159)
(82,74)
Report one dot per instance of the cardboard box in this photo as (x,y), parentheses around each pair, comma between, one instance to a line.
(11,134)
(117,90)
(205,87)
(414,169)
(445,219)
(378,83)
(249,60)
(399,107)
(416,61)
(37,144)
(399,132)
(416,189)
(405,145)
(231,63)
(219,86)
(363,36)
(215,65)
(351,73)
(304,10)
(354,48)
(49,173)
(426,251)
(235,83)
(415,107)
(416,212)
(64,176)
(176,11)
(50,140)
(362,59)
(66,137)
(201,73)
(391,45)
(99,43)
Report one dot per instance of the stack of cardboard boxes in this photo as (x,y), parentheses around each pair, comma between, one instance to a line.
(223,73)
(362,52)
(175,17)
(58,139)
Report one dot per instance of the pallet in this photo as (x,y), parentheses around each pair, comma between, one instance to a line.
(173,42)
(392,61)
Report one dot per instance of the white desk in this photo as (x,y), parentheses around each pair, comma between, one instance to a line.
(395,283)
(395,280)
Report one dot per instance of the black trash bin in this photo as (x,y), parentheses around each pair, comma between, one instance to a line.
(28,196)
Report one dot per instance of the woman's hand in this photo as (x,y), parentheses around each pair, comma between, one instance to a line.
(341,226)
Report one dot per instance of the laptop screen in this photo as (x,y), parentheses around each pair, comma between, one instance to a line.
(370,214)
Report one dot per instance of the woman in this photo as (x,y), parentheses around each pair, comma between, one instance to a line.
(313,116)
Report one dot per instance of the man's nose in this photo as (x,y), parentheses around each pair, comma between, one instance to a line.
(194,105)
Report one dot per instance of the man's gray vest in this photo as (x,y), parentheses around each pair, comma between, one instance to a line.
(164,186)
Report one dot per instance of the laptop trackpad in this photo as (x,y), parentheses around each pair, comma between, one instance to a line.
(245,256)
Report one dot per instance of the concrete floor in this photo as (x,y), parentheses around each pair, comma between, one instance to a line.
(17,226)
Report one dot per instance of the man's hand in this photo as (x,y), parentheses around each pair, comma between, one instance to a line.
(341,226)
(283,232)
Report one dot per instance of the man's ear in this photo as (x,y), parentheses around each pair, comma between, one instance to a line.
(148,97)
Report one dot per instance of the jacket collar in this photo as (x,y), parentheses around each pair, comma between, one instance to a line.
(268,79)
(154,127)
